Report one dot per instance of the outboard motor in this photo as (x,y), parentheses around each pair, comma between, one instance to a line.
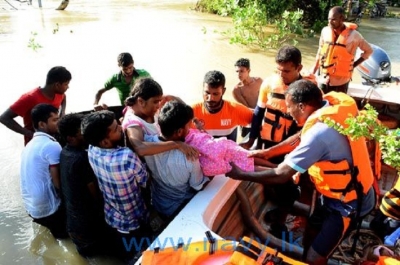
(376,68)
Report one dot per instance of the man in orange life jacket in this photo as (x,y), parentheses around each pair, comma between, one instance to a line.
(337,48)
(270,119)
(335,164)
(271,124)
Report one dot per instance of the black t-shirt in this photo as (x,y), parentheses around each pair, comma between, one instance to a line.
(83,211)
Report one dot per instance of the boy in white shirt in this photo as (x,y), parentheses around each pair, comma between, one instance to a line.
(40,177)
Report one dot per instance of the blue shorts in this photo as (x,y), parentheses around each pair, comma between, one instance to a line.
(333,229)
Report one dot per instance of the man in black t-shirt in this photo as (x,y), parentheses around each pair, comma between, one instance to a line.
(82,197)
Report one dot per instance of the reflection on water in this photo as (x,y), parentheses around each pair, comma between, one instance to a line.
(165,37)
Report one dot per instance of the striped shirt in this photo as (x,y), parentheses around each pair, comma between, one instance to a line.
(120,173)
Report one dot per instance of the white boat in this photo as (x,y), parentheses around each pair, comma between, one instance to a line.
(217,207)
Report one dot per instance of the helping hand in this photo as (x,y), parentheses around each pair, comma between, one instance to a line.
(260,153)
(235,172)
(246,145)
(199,125)
(190,152)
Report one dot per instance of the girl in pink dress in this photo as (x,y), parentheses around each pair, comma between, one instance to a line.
(217,153)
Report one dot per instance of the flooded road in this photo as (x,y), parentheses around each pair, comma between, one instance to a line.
(175,44)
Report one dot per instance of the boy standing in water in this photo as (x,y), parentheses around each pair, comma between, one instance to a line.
(121,175)
(122,81)
(83,199)
(40,177)
(57,83)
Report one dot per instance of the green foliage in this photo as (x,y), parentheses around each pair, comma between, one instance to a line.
(33,44)
(315,12)
(252,27)
(366,125)
(270,23)
(392,15)
(275,8)
(220,7)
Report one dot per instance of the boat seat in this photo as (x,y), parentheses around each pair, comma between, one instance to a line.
(229,222)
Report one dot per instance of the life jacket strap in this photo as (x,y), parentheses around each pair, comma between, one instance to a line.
(353,184)
(341,172)
(277,95)
(247,252)
(212,241)
(248,249)
(275,123)
(335,44)
(271,259)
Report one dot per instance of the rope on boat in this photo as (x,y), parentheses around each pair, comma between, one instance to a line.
(366,238)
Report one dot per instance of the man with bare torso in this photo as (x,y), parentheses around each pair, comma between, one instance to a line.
(246,91)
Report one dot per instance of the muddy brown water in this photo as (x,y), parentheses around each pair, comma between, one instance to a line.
(175,44)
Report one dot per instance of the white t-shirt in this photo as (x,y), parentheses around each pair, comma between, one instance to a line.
(37,189)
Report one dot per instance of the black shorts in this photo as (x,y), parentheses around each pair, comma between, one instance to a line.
(56,223)
(333,229)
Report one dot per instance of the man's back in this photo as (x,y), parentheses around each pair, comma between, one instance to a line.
(175,179)
(30,99)
(76,174)
(120,174)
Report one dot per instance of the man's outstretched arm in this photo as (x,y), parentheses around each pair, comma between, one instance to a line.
(7,118)
(282,148)
(282,174)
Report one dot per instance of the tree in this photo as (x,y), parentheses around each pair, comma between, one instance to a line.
(366,125)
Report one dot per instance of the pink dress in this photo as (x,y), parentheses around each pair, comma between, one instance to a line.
(216,153)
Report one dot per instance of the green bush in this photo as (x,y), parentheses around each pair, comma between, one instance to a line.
(365,125)
(270,23)
(219,7)
(253,27)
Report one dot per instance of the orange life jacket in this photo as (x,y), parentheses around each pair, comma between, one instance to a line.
(335,60)
(251,252)
(277,122)
(197,253)
(339,180)
(390,205)
(217,252)
(383,260)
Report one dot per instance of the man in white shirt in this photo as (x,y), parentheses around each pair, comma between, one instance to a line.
(40,177)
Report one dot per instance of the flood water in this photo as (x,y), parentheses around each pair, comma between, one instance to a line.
(175,44)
